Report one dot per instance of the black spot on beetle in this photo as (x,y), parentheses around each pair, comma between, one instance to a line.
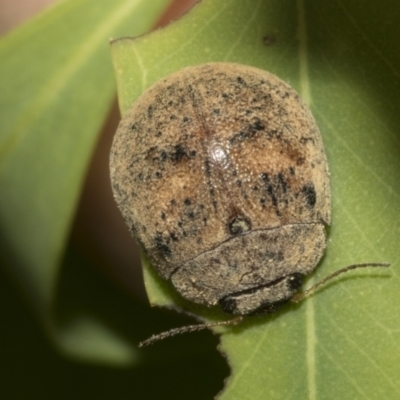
(158,175)
(133,229)
(239,137)
(163,155)
(163,215)
(173,237)
(282,182)
(248,133)
(178,154)
(207,167)
(291,170)
(190,214)
(241,80)
(185,119)
(159,133)
(309,192)
(187,202)
(162,245)
(269,188)
(133,127)
(257,126)
(150,111)
(305,140)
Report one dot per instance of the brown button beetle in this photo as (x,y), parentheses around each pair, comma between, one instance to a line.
(220,173)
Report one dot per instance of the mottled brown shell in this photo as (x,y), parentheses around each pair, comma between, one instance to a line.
(220,173)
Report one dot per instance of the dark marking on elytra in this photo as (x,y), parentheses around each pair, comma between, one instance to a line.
(248,133)
(163,155)
(257,125)
(178,154)
(309,192)
(305,140)
(282,182)
(174,237)
(269,188)
(207,167)
(162,245)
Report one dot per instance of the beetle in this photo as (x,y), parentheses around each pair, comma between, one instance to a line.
(221,175)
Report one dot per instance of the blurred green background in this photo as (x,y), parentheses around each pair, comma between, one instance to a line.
(31,365)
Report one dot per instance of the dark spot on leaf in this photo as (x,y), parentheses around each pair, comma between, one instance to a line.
(269,40)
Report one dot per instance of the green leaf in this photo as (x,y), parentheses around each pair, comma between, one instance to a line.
(56,88)
(344,59)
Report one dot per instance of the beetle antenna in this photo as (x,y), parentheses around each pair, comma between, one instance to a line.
(301,295)
(188,328)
